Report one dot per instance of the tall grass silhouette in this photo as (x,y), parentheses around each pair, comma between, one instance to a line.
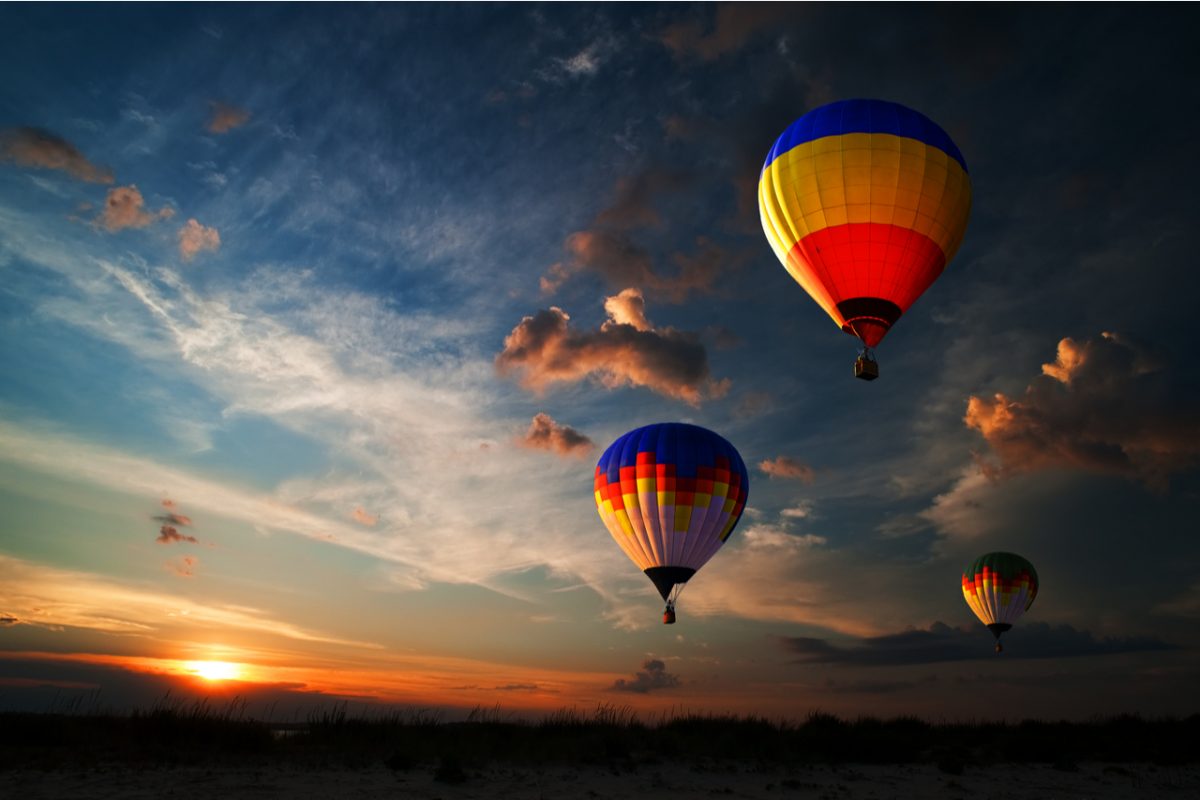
(175,731)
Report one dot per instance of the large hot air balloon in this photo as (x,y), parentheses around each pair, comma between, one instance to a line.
(670,494)
(999,588)
(864,202)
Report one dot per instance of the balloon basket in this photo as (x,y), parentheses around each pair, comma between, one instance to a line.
(866,369)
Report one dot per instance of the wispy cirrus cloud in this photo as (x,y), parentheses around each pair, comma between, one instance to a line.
(53,597)
(34,147)
(625,351)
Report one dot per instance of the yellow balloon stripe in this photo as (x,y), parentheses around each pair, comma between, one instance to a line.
(864,177)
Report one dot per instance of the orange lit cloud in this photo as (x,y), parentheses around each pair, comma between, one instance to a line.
(609,250)
(546,434)
(33,147)
(55,598)
(169,533)
(195,238)
(225,118)
(184,567)
(361,516)
(545,350)
(735,25)
(1103,405)
(786,467)
(124,207)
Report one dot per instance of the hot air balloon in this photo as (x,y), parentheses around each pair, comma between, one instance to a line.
(865,202)
(670,494)
(999,588)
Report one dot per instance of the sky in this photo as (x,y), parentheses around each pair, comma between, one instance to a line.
(266,273)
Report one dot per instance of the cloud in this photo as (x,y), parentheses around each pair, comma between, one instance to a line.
(787,467)
(184,567)
(545,350)
(608,249)
(654,676)
(195,238)
(940,642)
(735,25)
(362,517)
(225,118)
(546,434)
(1103,405)
(169,533)
(172,518)
(752,404)
(33,147)
(8,619)
(124,207)
(583,64)
(51,597)
(633,206)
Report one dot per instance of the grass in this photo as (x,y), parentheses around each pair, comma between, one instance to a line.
(177,733)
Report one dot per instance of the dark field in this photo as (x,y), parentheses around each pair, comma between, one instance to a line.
(609,737)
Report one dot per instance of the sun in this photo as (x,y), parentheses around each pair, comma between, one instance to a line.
(214,670)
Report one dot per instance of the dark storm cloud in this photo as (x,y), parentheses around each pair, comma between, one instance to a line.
(33,147)
(943,643)
(546,434)
(627,350)
(652,677)
(1103,405)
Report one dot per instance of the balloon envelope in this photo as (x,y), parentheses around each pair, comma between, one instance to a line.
(670,494)
(864,202)
(999,588)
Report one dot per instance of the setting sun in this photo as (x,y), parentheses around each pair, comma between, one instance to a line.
(214,670)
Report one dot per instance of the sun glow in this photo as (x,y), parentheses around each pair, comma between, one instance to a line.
(214,670)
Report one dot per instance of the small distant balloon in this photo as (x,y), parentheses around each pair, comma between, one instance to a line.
(999,588)
(670,494)
(865,202)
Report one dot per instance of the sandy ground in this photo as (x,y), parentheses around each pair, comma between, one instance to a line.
(595,783)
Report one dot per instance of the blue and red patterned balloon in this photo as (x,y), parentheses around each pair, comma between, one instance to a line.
(670,494)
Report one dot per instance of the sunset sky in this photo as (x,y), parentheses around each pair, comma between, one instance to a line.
(258,268)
